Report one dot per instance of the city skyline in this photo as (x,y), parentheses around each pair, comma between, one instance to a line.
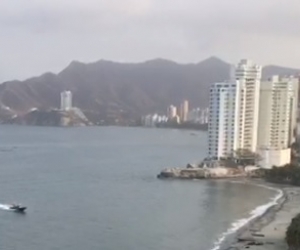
(178,115)
(253,115)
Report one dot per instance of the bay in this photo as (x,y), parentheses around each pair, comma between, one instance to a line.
(96,188)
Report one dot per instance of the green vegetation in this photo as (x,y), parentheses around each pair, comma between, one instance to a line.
(293,234)
(289,174)
(295,154)
(246,157)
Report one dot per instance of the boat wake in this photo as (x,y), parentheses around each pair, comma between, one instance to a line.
(4,207)
(257,212)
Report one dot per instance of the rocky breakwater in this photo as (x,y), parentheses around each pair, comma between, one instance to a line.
(203,173)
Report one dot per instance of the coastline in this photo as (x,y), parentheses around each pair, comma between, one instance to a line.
(265,231)
(265,227)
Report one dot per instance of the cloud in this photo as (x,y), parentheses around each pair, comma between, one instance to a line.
(45,35)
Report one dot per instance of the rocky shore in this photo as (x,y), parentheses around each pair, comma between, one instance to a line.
(200,172)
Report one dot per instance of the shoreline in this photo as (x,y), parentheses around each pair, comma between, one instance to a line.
(266,225)
(266,231)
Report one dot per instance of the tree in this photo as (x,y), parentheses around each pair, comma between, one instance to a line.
(293,234)
(288,174)
(295,151)
(246,157)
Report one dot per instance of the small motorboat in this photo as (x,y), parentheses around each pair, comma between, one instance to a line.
(17,208)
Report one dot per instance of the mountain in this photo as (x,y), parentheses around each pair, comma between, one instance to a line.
(278,70)
(121,90)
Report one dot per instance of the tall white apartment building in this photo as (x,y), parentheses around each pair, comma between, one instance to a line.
(277,120)
(66,100)
(249,114)
(204,116)
(172,112)
(249,76)
(234,109)
(222,140)
(184,110)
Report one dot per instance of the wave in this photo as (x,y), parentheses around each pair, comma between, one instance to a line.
(257,212)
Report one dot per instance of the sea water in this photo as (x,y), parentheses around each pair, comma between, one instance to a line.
(96,188)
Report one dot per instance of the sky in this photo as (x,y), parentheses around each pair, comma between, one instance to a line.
(38,36)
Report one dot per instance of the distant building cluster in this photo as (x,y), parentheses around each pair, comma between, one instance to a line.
(254,115)
(179,115)
(198,115)
(153,120)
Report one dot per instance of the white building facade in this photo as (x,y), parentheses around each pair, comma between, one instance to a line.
(204,116)
(234,111)
(172,112)
(277,120)
(222,129)
(249,114)
(66,100)
(198,115)
(249,76)
(152,120)
(184,110)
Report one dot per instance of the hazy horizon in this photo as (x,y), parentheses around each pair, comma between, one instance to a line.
(45,36)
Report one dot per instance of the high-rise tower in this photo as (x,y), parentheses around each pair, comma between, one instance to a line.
(233,111)
(184,110)
(249,76)
(277,119)
(222,139)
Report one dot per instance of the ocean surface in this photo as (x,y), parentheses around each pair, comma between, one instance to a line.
(96,188)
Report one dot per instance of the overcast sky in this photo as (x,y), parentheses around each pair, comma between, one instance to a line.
(37,36)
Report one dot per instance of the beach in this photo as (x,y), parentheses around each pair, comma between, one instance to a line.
(268,232)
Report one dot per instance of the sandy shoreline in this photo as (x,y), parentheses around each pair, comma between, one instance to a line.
(268,231)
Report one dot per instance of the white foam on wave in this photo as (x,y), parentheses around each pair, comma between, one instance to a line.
(4,207)
(259,211)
